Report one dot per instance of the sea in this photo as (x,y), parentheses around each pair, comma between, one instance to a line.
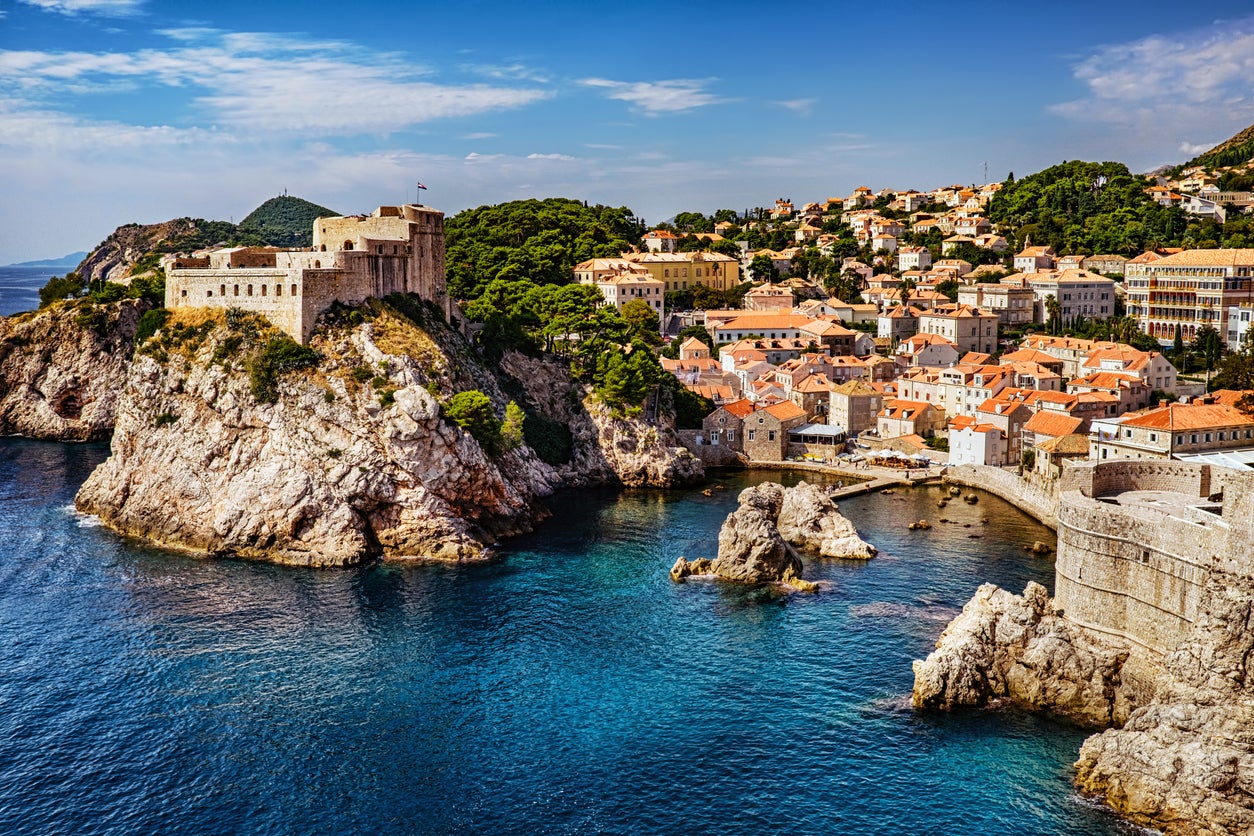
(19,287)
(566,686)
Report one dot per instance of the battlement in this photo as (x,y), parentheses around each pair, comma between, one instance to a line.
(397,249)
(1138,541)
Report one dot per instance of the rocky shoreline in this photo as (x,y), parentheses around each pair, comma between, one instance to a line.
(352,460)
(1182,762)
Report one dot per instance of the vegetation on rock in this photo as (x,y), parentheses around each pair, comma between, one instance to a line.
(285,221)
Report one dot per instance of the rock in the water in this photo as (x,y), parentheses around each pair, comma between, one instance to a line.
(685,568)
(750,548)
(1039,548)
(1006,646)
(810,520)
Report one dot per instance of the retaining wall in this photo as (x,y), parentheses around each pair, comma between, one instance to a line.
(1029,498)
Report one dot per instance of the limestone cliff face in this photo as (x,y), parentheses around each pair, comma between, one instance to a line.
(352,460)
(113,258)
(810,520)
(607,448)
(1011,647)
(62,369)
(1184,763)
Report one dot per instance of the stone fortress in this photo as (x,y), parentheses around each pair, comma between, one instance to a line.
(396,249)
(1137,543)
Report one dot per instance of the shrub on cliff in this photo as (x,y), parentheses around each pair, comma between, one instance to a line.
(150,323)
(472,411)
(279,355)
(61,287)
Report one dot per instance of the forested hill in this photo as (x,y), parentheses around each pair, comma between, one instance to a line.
(1236,150)
(285,221)
(539,240)
(1086,207)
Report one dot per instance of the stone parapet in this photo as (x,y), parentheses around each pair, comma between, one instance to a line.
(1031,499)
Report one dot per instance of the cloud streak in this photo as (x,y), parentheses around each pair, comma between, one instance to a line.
(108,8)
(655,98)
(266,83)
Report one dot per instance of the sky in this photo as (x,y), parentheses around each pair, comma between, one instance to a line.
(121,111)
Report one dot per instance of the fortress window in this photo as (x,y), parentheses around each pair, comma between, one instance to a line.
(237,290)
(250,290)
(348,245)
(394,249)
(318,264)
(221,290)
(293,290)
(263,290)
(323,248)
(183,293)
(209,293)
(278,290)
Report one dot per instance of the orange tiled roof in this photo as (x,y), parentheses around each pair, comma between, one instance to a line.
(1178,416)
(786,411)
(1047,422)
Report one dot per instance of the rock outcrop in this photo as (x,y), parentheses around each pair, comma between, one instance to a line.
(756,542)
(62,369)
(113,258)
(607,448)
(750,548)
(1011,647)
(350,460)
(810,520)
(1184,763)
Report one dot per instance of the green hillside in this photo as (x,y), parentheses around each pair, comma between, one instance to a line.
(1235,151)
(285,221)
(1083,207)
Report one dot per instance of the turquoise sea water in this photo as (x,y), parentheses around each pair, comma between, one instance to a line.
(565,687)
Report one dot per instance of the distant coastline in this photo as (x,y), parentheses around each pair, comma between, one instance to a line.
(67,262)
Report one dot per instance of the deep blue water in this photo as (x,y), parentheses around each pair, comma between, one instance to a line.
(566,687)
(19,287)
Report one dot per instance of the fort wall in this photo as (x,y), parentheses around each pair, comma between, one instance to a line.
(399,249)
(1031,499)
(1132,568)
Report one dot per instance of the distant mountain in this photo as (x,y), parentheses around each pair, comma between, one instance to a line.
(285,221)
(1235,151)
(67,262)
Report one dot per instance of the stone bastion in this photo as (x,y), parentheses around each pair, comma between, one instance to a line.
(1137,541)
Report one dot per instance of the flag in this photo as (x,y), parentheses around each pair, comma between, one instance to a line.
(424,188)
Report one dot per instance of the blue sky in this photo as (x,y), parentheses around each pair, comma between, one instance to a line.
(113,111)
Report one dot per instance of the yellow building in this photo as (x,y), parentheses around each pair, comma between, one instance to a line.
(684,271)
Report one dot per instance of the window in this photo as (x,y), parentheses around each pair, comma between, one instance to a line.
(263,290)
(770,435)
(752,433)
(237,290)
(221,290)
(731,435)
(183,293)
(209,293)
(278,290)
(250,290)
(293,290)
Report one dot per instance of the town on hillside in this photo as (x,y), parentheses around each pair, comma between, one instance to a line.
(903,328)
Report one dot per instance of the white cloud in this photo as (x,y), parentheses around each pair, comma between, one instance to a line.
(566,157)
(1194,149)
(480,135)
(112,8)
(1182,75)
(509,72)
(803,106)
(658,97)
(261,83)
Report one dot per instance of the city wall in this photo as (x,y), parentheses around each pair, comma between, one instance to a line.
(1032,500)
(1133,572)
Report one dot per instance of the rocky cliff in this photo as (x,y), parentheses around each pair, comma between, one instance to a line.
(63,368)
(113,258)
(1184,763)
(1018,648)
(220,450)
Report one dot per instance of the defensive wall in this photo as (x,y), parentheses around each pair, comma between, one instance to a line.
(1137,543)
(396,250)
(1031,499)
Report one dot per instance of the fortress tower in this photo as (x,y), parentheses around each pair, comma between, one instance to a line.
(396,249)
